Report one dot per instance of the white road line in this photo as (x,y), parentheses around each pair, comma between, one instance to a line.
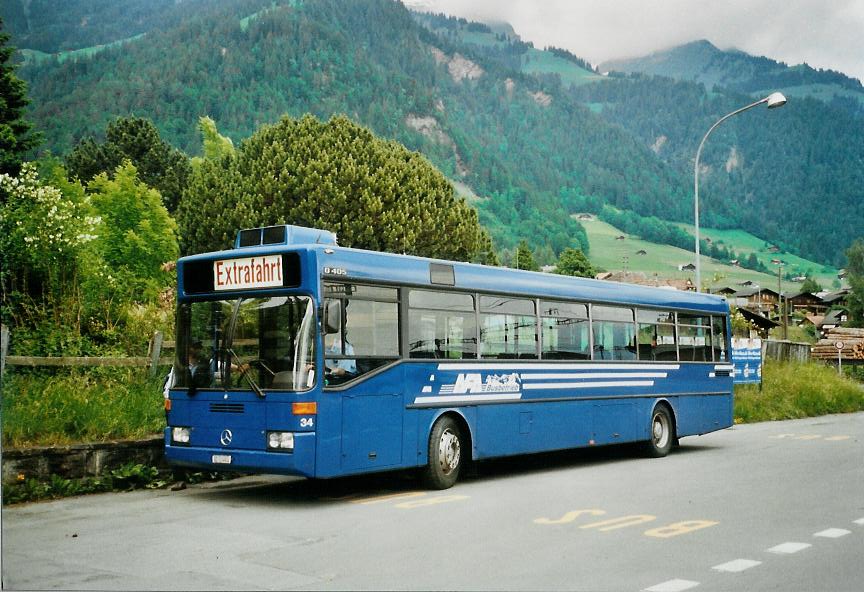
(833,533)
(789,548)
(673,586)
(860,521)
(737,565)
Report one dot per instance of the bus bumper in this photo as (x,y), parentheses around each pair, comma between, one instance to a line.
(299,462)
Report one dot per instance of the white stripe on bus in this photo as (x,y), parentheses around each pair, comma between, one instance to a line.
(532,366)
(560,385)
(469,398)
(571,375)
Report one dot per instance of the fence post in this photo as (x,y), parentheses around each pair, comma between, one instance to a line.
(4,347)
(155,352)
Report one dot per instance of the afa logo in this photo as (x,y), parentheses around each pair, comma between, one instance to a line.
(494,383)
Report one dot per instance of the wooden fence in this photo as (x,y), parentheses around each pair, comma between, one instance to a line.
(152,360)
(786,351)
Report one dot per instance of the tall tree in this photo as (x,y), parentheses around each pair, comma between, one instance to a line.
(855,274)
(16,132)
(524,258)
(136,139)
(574,262)
(338,176)
(810,285)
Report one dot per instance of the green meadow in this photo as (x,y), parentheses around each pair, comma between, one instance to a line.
(611,253)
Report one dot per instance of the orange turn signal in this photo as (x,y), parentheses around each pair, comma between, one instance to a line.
(167,404)
(304,408)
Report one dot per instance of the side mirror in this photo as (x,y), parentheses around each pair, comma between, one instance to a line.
(332,316)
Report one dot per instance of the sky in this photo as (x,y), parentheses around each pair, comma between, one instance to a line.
(825,34)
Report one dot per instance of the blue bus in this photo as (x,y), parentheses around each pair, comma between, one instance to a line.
(297,356)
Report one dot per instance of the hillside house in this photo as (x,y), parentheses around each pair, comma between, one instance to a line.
(806,303)
(763,325)
(840,298)
(687,267)
(833,319)
(727,292)
(761,300)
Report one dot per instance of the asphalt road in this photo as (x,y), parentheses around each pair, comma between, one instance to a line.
(771,506)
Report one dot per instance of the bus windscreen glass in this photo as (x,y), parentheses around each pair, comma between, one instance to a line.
(222,344)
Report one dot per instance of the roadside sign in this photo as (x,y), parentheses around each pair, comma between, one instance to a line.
(747,360)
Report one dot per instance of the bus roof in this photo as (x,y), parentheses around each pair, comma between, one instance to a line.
(346,264)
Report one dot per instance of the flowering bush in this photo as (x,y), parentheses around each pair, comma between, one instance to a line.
(75,263)
(41,227)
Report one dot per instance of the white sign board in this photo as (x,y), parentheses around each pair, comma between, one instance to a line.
(248,272)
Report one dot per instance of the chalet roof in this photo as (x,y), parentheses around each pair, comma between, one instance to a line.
(751,291)
(757,319)
(815,319)
(835,296)
(802,295)
(726,290)
(834,317)
(639,278)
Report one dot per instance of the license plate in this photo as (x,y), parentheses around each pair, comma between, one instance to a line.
(221,459)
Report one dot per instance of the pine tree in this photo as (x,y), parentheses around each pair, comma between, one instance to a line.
(16,135)
(574,262)
(136,139)
(525,257)
(373,194)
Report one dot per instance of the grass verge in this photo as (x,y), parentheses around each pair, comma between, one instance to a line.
(43,408)
(793,390)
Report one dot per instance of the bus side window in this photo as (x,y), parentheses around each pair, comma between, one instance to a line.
(614,332)
(367,335)
(441,325)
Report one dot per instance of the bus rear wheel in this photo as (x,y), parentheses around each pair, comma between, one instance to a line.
(662,436)
(445,454)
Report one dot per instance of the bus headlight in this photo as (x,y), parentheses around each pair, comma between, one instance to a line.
(280,441)
(180,435)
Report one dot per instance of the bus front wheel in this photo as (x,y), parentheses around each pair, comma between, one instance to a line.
(445,454)
(662,435)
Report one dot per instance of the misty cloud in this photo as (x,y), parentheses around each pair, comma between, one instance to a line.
(823,34)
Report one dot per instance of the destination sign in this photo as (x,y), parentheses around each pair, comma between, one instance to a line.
(248,272)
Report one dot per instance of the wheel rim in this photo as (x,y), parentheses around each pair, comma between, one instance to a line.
(660,430)
(449,451)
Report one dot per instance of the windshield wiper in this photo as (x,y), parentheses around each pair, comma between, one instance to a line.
(243,367)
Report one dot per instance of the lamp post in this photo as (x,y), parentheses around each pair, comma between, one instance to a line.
(773,101)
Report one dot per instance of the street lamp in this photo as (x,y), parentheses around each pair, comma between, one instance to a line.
(773,101)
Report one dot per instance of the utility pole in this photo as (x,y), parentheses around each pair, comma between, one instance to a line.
(781,308)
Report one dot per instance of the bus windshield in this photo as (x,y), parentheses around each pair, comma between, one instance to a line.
(243,343)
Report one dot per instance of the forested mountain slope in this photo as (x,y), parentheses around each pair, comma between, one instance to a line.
(701,61)
(536,134)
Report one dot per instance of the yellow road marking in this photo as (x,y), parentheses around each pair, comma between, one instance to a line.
(622,522)
(665,532)
(569,517)
(431,501)
(387,497)
(837,438)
